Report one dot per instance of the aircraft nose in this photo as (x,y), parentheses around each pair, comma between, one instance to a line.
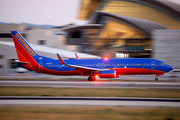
(170,67)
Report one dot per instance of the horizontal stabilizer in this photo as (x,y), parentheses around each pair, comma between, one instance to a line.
(17,61)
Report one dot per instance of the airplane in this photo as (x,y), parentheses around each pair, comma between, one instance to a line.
(102,68)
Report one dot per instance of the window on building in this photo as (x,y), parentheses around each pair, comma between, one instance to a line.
(8,35)
(1,56)
(41,42)
(5,35)
(1,66)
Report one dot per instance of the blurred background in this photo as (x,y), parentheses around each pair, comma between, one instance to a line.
(92,28)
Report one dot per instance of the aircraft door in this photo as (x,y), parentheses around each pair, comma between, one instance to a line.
(153,64)
(98,65)
(103,65)
(40,66)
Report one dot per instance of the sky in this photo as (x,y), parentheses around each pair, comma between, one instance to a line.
(49,12)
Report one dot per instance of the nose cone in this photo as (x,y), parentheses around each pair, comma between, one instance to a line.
(169,68)
(172,68)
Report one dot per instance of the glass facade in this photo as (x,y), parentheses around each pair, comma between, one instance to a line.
(146,12)
(117,37)
(87,8)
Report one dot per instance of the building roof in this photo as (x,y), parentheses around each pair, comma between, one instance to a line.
(79,27)
(141,24)
(63,53)
(163,5)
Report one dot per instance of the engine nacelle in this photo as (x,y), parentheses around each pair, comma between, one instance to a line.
(107,74)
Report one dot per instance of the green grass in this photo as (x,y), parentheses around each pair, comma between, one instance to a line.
(88,92)
(88,113)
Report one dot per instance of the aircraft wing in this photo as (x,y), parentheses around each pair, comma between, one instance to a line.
(78,67)
(81,67)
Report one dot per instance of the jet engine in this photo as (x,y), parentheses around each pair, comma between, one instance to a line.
(107,74)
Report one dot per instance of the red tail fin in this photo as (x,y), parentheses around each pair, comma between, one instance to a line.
(24,51)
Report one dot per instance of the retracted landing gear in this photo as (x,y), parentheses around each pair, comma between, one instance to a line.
(91,78)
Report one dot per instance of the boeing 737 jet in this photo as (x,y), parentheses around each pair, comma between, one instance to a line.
(103,68)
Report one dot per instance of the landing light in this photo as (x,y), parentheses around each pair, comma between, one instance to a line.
(96,76)
(106,58)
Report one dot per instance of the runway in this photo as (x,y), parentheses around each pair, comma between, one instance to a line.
(88,101)
(94,84)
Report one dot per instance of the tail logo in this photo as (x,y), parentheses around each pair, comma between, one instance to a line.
(25,45)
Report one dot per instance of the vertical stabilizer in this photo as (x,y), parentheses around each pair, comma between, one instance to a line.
(24,51)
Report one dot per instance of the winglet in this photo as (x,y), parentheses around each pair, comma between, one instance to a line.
(76,56)
(60,59)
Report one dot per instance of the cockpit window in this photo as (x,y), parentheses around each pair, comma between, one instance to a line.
(162,63)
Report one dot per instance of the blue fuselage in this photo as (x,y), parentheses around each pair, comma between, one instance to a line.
(124,66)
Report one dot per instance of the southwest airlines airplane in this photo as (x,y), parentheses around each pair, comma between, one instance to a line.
(103,68)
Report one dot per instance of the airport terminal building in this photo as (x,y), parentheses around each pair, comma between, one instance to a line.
(131,28)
